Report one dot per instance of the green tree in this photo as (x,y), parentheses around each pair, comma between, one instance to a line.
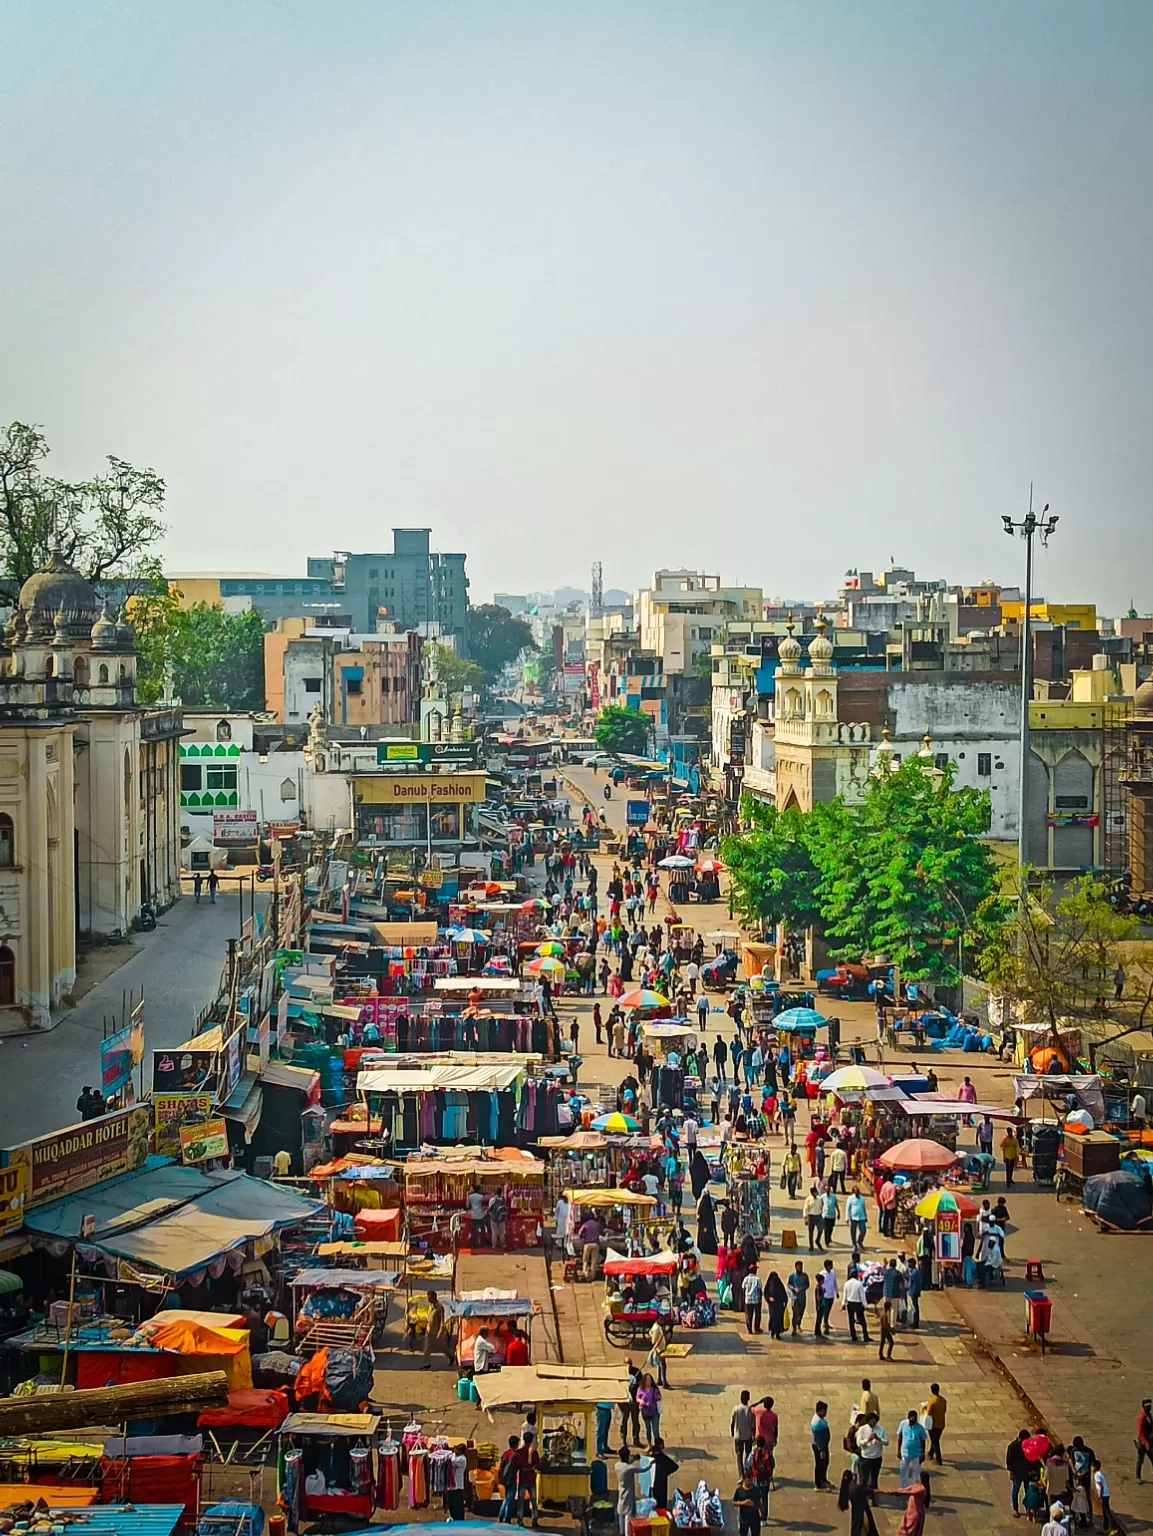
(903,873)
(772,877)
(454,671)
(1052,949)
(210,659)
(495,638)
(622,730)
(107,527)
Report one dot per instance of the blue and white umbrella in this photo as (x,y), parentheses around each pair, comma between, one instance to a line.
(794,1019)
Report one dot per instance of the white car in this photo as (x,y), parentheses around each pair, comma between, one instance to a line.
(599,760)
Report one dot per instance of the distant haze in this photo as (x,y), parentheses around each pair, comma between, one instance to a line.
(770,290)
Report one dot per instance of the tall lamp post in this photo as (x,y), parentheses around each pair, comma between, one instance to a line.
(1031,524)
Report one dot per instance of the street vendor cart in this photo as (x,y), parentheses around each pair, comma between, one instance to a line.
(638,1293)
(565,1399)
(341,1308)
(622,1210)
(503,1313)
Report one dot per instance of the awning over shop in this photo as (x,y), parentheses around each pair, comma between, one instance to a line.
(278,1074)
(351,1279)
(453,1077)
(172,1219)
(1085,1088)
(244,1104)
(553,1384)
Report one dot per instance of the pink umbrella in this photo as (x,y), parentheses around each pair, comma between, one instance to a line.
(918,1155)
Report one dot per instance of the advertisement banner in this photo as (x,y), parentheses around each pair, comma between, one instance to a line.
(594,686)
(948,1237)
(200,1142)
(120,1054)
(235,826)
(427,751)
(74,1159)
(13,1192)
(281,1019)
(182,1071)
(170,1111)
(636,812)
(407,788)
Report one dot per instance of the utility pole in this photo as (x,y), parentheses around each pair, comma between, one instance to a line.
(1032,523)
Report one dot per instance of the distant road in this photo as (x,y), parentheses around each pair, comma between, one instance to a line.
(177,966)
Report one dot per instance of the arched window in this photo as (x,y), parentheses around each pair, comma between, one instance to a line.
(7,977)
(7,842)
(103,672)
(223,731)
(50,667)
(123,671)
(80,672)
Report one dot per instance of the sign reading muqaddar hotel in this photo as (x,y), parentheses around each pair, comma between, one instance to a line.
(420,788)
(68,1161)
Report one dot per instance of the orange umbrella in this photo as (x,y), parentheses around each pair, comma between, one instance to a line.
(918,1155)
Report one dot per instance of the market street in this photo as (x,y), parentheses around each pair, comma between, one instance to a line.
(177,966)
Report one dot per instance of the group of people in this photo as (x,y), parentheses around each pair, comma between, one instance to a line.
(1060,1482)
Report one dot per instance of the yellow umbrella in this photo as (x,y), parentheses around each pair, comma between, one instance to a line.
(944,1200)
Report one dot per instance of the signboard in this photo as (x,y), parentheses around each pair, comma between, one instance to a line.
(594,686)
(72,1160)
(427,751)
(948,1237)
(235,826)
(281,1019)
(182,1071)
(420,788)
(283,830)
(200,1142)
(170,1111)
(120,1054)
(13,1192)
(636,812)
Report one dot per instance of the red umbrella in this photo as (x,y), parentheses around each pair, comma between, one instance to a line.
(709,866)
(918,1155)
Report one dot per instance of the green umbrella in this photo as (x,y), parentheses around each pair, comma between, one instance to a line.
(9,1282)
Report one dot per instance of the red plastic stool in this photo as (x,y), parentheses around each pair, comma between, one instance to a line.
(1033,1270)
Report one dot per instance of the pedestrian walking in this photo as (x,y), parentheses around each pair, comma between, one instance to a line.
(887,1338)
(746,1501)
(753,1293)
(871,1442)
(935,1410)
(434,1334)
(1101,1489)
(213,885)
(838,1163)
(598,1023)
(830,1211)
(814,1214)
(627,1471)
(821,1437)
(197,886)
(741,1429)
(658,1352)
(853,1300)
(798,1295)
(920,1497)
(1144,1437)
(911,1444)
(1023,1471)
(824,1295)
(1010,1154)
(857,1215)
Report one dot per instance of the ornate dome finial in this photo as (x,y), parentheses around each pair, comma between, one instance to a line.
(820,647)
(789,650)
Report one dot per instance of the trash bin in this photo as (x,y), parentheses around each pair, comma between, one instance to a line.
(1038,1313)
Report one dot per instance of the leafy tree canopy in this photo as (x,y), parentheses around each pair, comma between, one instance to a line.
(454,671)
(107,527)
(205,657)
(772,875)
(495,638)
(622,730)
(900,874)
(1053,949)
(903,873)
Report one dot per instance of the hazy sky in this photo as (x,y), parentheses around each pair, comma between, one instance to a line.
(775,289)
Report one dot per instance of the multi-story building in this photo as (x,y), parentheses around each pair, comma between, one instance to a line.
(355,679)
(410,586)
(683,612)
(88,791)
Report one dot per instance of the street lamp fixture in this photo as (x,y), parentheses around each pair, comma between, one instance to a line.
(1032,525)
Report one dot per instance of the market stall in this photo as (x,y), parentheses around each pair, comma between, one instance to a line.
(326,1466)
(625,1217)
(436,1192)
(747,1172)
(565,1399)
(497,1100)
(503,1313)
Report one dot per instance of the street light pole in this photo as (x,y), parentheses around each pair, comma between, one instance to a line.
(1032,523)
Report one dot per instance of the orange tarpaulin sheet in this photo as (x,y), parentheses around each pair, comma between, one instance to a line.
(254,1407)
(189,1338)
(378,1226)
(55,1495)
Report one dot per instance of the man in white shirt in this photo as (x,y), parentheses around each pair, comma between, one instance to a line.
(483,1350)
(853,1300)
(690,1128)
(477,1207)
(871,1443)
(814,1210)
(838,1166)
(752,1291)
(693,972)
(826,1294)
(1139,1108)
